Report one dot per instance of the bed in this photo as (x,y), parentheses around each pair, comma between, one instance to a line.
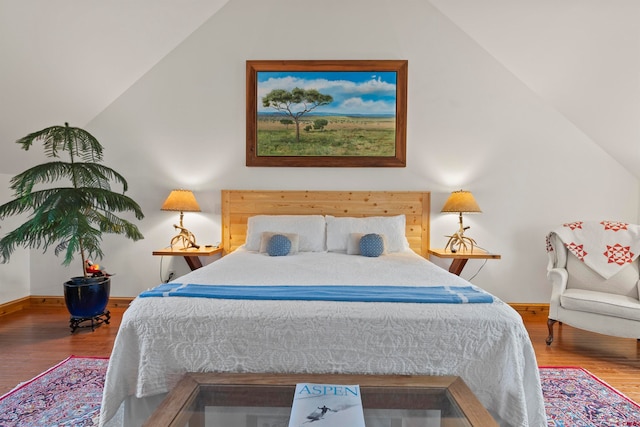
(179,327)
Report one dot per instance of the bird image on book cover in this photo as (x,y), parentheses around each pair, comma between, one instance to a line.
(326,405)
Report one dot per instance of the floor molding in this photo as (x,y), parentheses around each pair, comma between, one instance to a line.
(15,305)
(532,310)
(46,301)
(43,301)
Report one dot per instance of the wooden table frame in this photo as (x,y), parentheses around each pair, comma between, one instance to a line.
(459,259)
(191,255)
(180,406)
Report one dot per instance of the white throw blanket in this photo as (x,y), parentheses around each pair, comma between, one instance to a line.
(604,246)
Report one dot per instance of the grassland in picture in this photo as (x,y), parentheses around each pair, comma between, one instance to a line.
(340,136)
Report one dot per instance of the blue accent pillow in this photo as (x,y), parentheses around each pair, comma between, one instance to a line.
(279,245)
(372,245)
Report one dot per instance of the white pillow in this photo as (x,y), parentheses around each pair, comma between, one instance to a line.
(309,228)
(353,244)
(293,238)
(392,227)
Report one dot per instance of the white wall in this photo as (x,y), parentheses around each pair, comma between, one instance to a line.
(471,125)
(14,276)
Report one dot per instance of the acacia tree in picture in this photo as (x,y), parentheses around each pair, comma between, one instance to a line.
(296,103)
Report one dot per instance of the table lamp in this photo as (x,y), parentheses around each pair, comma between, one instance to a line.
(183,201)
(460,202)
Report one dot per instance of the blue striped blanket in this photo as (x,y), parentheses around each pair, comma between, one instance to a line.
(427,294)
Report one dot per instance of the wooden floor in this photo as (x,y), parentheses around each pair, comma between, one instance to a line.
(614,360)
(35,339)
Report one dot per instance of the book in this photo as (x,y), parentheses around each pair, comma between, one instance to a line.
(326,405)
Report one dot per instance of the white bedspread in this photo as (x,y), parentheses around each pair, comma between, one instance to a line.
(485,344)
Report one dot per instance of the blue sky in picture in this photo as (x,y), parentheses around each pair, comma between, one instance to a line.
(353,92)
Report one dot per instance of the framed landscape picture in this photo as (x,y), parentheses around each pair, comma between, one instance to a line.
(327,113)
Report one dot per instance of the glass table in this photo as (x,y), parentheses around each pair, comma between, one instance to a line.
(264,400)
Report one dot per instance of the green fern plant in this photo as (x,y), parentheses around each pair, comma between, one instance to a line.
(73,216)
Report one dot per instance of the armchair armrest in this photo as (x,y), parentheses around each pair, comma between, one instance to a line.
(558,278)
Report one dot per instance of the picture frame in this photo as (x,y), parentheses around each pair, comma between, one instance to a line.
(326,113)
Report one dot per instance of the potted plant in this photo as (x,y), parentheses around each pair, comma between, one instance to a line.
(69,205)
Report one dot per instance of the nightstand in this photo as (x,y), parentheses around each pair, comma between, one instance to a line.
(191,255)
(459,259)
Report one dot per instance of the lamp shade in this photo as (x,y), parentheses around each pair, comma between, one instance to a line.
(181,200)
(461,202)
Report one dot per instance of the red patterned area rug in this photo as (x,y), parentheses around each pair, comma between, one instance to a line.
(69,394)
(576,398)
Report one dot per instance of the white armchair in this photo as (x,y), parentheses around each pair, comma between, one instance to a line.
(582,298)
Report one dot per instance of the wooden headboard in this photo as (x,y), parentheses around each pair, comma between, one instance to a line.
(239,205)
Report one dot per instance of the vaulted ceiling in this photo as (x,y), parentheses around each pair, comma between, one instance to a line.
(71,58)
(582,57)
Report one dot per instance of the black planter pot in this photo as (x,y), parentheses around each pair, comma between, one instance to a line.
(86,299)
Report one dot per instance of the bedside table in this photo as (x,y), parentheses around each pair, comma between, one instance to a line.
(459,259)
(190,254)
